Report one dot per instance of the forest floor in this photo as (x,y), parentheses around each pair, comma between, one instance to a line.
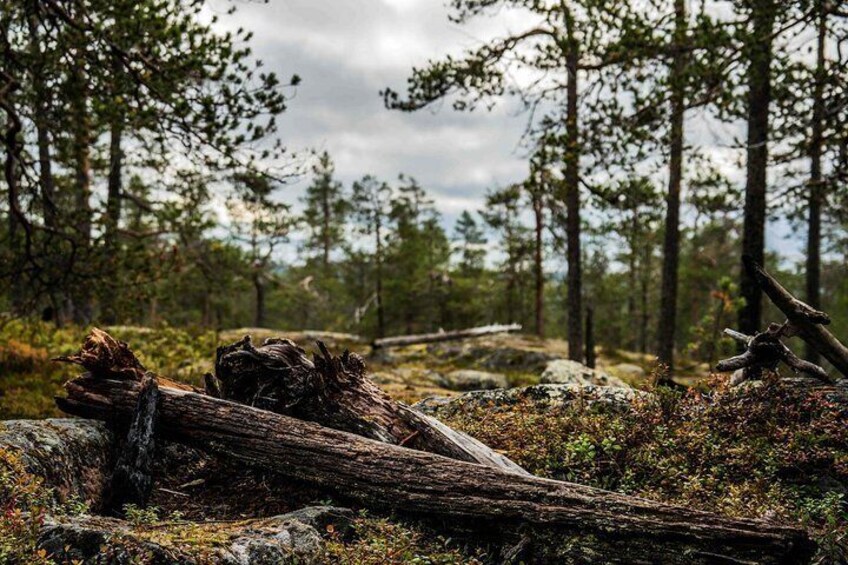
(773,451)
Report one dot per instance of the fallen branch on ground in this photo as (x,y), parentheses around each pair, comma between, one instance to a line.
(436,337)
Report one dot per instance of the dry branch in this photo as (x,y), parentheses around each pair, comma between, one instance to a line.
(436,337)
(613,527)
(807,322)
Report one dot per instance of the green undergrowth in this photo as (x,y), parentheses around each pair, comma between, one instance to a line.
(29,379)
(775,451)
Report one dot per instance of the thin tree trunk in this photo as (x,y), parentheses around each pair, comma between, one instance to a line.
(759,96)
(381,315)
(113,218)
(538,210)
(40,118)
(259,288)
(632,342)
(81,154)
(325,236)
(816,187)
(572,206)
(590,337)
(671,242)
(645,313)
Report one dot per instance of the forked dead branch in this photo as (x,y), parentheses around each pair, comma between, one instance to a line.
(766,350)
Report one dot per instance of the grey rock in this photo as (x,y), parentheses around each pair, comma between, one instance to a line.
(92,540)
(323,517)
(73,457)
(288,541)
(467,379)
(95,540)
(541,397)
(565,371)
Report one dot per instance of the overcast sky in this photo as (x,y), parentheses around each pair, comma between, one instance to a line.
(346,51)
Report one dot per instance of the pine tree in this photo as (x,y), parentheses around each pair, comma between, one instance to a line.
(325,213)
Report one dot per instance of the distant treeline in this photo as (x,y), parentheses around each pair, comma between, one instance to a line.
(129,126)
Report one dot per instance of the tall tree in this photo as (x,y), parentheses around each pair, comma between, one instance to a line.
(566,43)
(262,223)
(371,209)
(671,241)
(326,210)
(471,240)
(758,50)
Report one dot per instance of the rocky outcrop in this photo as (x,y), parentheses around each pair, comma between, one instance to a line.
(268,541)
(468,379)
(565,371)
(73,457)
(542,397)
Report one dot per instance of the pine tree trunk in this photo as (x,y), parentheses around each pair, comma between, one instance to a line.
(81,151)
(113,219)
(45,162)
(816,188)
(538,211)
(572,207)
(759,97)
(671,241)
(259,288)
(381,315)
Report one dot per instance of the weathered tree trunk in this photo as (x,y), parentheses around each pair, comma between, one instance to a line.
(278,376)
(572,205)
(445,336)
(758,45)
(671,242)
(613,526)
(335,392)
(816,188)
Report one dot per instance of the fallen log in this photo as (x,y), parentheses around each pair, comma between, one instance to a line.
(335,392)
(279,377)
(593,524)
(401,340)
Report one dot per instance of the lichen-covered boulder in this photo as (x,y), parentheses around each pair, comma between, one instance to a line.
(566,371)
(73,457)
(94,540)
(468,379)
(542,397)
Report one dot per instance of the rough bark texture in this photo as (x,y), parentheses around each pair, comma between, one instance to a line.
(335,392)
(572,208)
(615,527)
(132,478)
(808,322)
(538,264)
(671,242)
(446,336)
(816,188)
(758,46)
